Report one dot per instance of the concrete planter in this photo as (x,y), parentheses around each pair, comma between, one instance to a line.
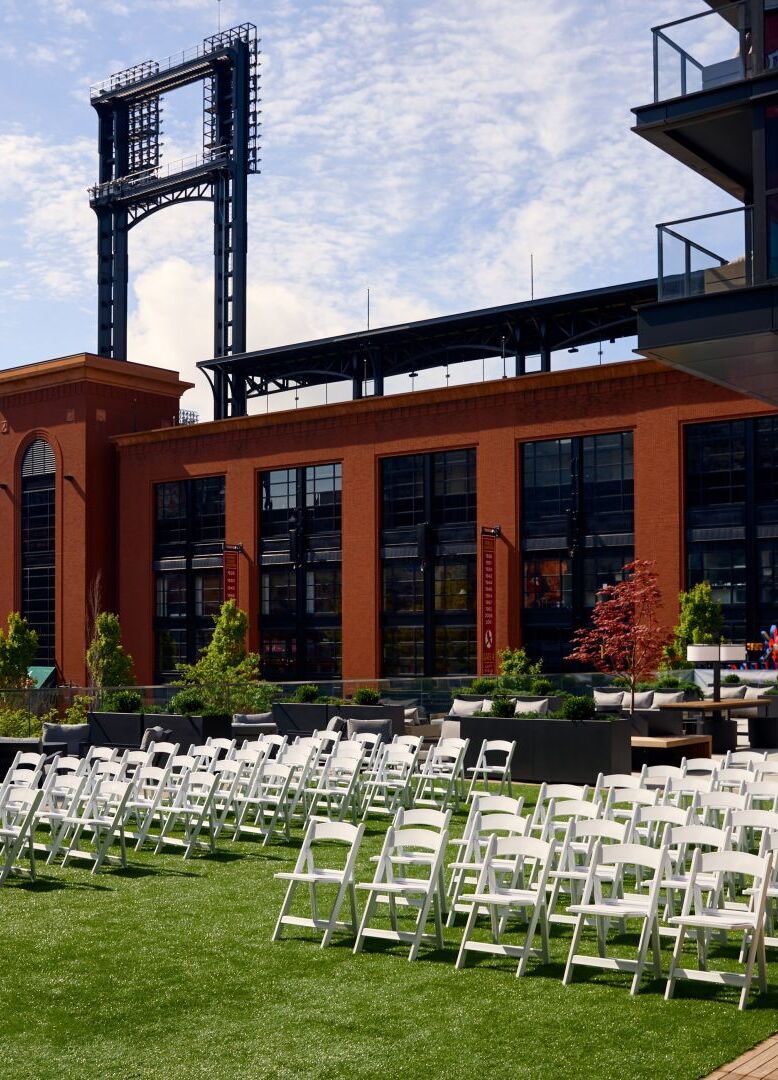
(187,730)
(557,751)
(293,718)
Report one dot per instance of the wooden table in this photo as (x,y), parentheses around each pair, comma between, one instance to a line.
(715,709)
(669,749)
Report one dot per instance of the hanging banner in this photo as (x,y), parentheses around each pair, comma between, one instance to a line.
(231,575)
(488,599)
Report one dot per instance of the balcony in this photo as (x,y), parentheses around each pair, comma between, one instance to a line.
(702,51)
(711,253)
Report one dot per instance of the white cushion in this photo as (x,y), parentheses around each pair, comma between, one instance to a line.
(644,699)
(540,706)
(606,699)
(754,692)
(460,707)
(667,697)
(732,693)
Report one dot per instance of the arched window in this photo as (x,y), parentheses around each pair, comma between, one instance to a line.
(38,550)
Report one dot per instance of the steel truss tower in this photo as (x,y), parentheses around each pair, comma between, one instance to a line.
(134,183)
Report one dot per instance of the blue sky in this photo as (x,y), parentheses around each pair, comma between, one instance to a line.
(421,148)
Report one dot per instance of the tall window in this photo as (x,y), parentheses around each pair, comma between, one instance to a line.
(300,559)
(189,567)
(38,545)
(732,519)
(577,532)
(428,551)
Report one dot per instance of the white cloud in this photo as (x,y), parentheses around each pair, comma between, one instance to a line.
(424,150)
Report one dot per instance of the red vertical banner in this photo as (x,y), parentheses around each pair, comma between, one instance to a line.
(231,575)
(488,599)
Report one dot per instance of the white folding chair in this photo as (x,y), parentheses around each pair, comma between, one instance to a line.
(683,790)
(308,872)
(575,855)
(656,776)
(192,810)
(420,893)
(337,789)
(493,765)
(683,841)
(549,792)
(226,747)
(762,794)
(62,796)
(621,803)
(465,870)
(706,917)
(18,808)
(389,786)
(265,808)
(442,775)
(743,759)
(606,781)
(603,909)
(700,766)
(524,891)
(102,817)
(149,791)
(713,807)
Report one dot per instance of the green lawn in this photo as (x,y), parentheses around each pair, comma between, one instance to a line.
(167,970)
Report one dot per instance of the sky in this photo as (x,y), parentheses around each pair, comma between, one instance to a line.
(420,148)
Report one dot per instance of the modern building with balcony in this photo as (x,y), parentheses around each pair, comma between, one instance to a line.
(715,108)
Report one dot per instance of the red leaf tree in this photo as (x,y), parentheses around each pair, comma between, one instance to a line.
(625,638)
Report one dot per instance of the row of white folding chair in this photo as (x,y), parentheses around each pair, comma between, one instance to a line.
(18,807)
(606,902)
(391,781)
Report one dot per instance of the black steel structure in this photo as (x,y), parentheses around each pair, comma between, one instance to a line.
(715,314)
(133,182)
(530,328)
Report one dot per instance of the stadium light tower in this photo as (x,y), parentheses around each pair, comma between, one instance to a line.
(133,183)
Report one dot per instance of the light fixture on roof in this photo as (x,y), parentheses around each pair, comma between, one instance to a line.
(504,373)
(413,375)
(574,349)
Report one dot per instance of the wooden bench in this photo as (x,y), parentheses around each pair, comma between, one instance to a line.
(668,749)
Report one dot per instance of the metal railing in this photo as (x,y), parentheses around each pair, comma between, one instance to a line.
(677,72)
(138,72)
(688,265)
(158,172)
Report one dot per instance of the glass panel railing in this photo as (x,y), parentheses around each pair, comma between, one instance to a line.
(706,254)
(702,51)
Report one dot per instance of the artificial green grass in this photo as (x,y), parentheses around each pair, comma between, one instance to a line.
(167,970)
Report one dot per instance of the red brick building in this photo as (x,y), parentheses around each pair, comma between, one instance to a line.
(359,524)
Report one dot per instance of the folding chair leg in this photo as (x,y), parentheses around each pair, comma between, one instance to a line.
(753,950)
(468,933)
(369,908)
(276,935)
(674,962)
(645,939)
(567,978)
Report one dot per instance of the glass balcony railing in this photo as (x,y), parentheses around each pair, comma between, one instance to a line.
(702,51)
(712,253)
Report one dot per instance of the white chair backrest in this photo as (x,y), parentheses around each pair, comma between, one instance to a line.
(743,759)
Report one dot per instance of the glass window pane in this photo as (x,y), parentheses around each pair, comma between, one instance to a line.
(171,650)
(455,585)
(715,464)
(171,596)
(403,591)
(322,653)
(279,655)
(209,589)
(453,488)
(608,482)
(724,566)
(403,492)
(322,591)
(279,501)
(455,650)
(603,568)
(548,582)
(547,484)
(323,484)
(279,591)
(403,651)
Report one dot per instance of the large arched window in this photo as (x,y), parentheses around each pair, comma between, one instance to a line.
(38,534)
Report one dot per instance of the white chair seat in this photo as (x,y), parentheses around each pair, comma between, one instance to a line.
(715,919)
(627,908)
(504,897)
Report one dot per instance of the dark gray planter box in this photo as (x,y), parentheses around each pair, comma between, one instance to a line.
(292,718)
(723,732)
(763,732)
(557,751)
(187,730)
(122,730)
(655,722)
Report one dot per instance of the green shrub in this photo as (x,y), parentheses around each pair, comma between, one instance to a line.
(503,707)
(484,684)
(107,662)
(226,676)
(541,687)
(152,709)
(515,664)
(187,702)
(123,701)
(366,695)
(22,724)
(732,679)
(78,711)
(306,694)
(578,709)
(18,646)
(330,700)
